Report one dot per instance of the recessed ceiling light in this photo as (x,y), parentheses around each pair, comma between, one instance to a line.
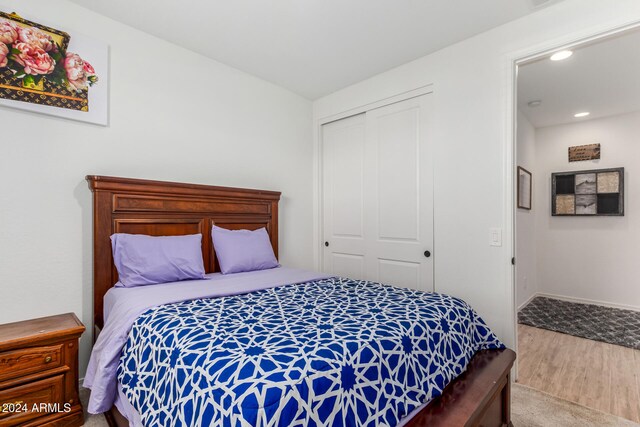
(583,114)
(559,56)
(535,103)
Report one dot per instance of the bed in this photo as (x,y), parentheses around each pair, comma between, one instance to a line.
(479,394)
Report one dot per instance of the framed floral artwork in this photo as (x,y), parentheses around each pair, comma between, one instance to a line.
(49,70)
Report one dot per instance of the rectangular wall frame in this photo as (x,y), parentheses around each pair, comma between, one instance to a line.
(597,192)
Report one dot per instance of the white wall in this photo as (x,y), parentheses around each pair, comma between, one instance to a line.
(471,122)
(592,258)
(215,126)
(526,253)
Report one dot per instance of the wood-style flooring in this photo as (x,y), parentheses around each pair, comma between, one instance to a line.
(592,373)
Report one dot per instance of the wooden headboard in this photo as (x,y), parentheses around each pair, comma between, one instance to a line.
(157,208)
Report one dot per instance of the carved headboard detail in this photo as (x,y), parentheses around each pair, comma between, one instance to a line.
(157,208)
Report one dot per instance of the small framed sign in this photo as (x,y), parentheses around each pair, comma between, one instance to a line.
(580,153)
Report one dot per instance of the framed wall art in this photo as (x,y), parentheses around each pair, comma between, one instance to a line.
(524,188)
(588,193)
(50,70)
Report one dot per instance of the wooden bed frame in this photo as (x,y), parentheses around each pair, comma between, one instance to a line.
(478,397)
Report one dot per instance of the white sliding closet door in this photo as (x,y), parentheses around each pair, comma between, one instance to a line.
(378,195)
(343,144)
(399,194)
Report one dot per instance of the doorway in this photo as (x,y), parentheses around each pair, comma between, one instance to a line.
(578,308)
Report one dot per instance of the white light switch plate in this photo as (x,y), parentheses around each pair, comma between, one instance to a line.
(495,236)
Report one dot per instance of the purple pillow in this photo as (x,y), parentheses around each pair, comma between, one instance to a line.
(243,250)
(148,260)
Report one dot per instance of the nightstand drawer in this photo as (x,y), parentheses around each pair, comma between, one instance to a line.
(25,361)
(16,404)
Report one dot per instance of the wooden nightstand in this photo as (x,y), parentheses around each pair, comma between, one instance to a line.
(39,372)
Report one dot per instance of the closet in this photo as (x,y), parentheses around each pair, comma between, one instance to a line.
(377,187)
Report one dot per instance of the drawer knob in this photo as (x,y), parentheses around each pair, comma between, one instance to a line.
(47,359)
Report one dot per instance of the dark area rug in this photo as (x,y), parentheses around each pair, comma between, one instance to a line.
(594,322)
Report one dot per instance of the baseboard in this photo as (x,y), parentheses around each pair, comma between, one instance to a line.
(526,303)
(581,301)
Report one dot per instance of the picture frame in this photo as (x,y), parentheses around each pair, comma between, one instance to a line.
(54,71)
(524,188)
(596,192)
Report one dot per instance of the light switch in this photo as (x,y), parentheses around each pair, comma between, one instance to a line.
(495,237)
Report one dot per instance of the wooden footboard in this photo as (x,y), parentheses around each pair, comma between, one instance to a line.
(481,396)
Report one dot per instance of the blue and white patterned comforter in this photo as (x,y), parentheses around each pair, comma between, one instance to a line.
(330,352)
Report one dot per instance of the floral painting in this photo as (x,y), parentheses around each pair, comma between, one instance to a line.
(40,70)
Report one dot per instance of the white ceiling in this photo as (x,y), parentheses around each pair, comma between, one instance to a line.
(313,47)
(602,78)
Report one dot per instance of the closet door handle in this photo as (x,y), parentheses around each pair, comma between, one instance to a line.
(427,254)
(326,244)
